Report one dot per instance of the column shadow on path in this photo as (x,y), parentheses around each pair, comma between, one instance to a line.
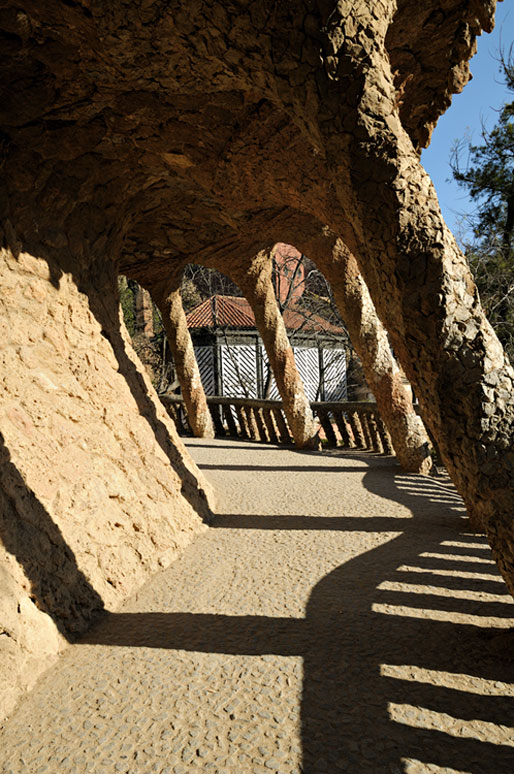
(396,644)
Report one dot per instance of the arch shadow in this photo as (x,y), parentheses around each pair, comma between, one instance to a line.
(402,651)
(401,640)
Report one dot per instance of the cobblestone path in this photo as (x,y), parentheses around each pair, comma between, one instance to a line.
(337,617)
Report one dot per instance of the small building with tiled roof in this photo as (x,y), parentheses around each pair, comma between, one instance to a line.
(233,361)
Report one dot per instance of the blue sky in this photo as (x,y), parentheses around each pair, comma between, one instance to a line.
(479,102)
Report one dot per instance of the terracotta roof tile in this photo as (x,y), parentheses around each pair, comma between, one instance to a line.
(235,312)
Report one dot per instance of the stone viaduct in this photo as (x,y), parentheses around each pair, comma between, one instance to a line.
(139,137)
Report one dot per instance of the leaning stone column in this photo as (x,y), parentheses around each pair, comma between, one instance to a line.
(370,341)
(418,278)
(144,312)
(97,492)
(169,301)
(257,286)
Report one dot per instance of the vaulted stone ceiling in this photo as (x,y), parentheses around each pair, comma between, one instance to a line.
(171,122)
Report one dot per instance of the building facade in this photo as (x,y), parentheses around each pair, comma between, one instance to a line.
(233,361)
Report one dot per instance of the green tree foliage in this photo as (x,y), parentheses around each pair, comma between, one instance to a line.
(489,178)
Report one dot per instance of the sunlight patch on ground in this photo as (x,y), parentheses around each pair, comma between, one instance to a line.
(440,591)
(444,615)
(453,680)
(430,720)
(460,544)
(457,558)
(413,766)
(448,572)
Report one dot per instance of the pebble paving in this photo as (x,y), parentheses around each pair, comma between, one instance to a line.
(339,616)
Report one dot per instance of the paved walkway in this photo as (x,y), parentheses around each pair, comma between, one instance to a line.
(338,617)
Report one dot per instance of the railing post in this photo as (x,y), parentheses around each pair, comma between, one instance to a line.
(343,429)
(358,434)
(215,414)
(375,436)
(324,418)
(270,425)
(176,410)
(384,436)
(263,436)
(229,419)
(251,423)
(366,431)
(243,422)
(285,436)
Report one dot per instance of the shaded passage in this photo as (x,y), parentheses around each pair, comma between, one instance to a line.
(379,640)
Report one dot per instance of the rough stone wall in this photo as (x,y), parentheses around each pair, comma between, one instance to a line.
(97,490)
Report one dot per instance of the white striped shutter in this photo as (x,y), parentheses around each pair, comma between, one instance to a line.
(205,360)
(239,371)
(307,363)
(274,393)
(334,362)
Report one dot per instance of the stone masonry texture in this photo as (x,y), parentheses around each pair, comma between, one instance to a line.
(139,137)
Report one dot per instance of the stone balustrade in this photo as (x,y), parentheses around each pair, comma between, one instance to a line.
(351,424)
